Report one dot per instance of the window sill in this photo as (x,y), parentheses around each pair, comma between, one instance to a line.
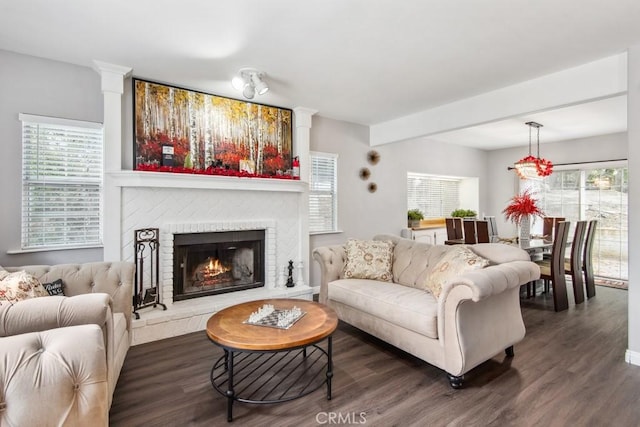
(320,233)
(49,249)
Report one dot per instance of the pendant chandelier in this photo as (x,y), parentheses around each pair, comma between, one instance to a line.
(533,167)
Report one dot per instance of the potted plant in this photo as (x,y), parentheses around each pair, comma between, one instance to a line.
(414,216)
(520,210)
(464,213)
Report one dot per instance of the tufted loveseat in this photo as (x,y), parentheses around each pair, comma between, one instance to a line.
(60,356)
(476,316)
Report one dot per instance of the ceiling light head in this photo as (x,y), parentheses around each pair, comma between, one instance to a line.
(250,81)
(259,84)
(249,91)
(238,82)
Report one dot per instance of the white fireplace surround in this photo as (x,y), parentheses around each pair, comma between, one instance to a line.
(177,204)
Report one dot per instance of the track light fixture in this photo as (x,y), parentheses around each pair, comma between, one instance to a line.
(250,81)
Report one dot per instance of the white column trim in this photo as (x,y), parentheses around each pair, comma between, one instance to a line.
(112,85)
(302,147)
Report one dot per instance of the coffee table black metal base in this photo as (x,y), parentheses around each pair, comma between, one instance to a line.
(273,376)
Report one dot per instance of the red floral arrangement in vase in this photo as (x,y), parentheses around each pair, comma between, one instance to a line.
(521,206)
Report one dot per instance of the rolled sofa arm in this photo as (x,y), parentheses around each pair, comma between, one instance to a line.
(494,279)
(331,260)
(113,278)
(40,314)
(62,370)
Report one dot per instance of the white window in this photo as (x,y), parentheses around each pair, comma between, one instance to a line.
(435,196)
(61,183)
(323,193)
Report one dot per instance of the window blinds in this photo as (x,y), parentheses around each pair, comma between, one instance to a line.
(323,196)
(435,196)
(61,182)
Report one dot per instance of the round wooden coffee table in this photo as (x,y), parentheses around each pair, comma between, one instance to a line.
(263,364)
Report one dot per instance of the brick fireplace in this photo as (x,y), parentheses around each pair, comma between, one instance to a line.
(197,206)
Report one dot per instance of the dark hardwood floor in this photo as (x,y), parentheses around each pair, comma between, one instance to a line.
(568,371)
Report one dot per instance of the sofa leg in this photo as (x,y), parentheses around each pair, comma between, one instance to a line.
(455,382)
(509,351)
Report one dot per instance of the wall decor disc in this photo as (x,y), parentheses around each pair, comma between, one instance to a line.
(365,173)
(373,157)
(372,187)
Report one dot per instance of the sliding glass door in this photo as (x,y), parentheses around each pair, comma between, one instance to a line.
(586,194)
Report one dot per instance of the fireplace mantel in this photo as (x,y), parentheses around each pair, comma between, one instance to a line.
(211,182)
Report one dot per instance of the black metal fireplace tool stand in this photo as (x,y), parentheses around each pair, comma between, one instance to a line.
(146,244)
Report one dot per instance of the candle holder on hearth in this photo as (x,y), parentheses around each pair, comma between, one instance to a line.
(290,283)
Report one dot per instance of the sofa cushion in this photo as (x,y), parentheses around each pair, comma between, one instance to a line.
(408,307)
(19,286)
(55,288)
(368,259)
(454,263)
(413,261)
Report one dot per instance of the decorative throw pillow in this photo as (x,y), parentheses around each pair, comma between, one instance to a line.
(19,286)
(3,273)
(455,262)
(54,288)
(369,259)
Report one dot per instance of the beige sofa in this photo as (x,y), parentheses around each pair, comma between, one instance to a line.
(476,316)
(60,356)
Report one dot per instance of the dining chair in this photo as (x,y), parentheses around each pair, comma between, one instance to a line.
(573,265)
(451,230)
(469,232)
(482,232)
(493,228)
(552,270)
(548,225)
(587,260)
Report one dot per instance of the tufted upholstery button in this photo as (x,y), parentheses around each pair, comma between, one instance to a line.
(92,284)
(3,406)
(76,387)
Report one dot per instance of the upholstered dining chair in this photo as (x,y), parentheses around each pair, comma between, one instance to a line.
(454,228)
(552,270)
(548,225)
(573,265)
(482,232)
(493,228)
(587,259)
(469,227)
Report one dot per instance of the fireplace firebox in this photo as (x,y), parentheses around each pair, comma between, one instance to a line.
(217,262)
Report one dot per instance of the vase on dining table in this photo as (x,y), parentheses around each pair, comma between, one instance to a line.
(525,228)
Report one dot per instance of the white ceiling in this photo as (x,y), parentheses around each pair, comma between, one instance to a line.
(578,121)
(363,61)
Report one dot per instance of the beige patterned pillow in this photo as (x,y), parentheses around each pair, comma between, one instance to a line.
(19,286)
(455,262)
(3,273)
(369,259)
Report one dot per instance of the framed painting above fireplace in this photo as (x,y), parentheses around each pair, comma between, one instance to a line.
(181,130)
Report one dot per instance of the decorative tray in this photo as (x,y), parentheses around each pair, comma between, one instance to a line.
(272,317)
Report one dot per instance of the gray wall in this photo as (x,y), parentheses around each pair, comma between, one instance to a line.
(504,183)
(362,214)
(43,87)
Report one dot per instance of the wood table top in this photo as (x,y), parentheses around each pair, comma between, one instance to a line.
(226,327)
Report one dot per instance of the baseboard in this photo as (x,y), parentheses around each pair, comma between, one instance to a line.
(632,357)
(316,289)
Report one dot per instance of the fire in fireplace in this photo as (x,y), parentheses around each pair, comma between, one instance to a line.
(217,262)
